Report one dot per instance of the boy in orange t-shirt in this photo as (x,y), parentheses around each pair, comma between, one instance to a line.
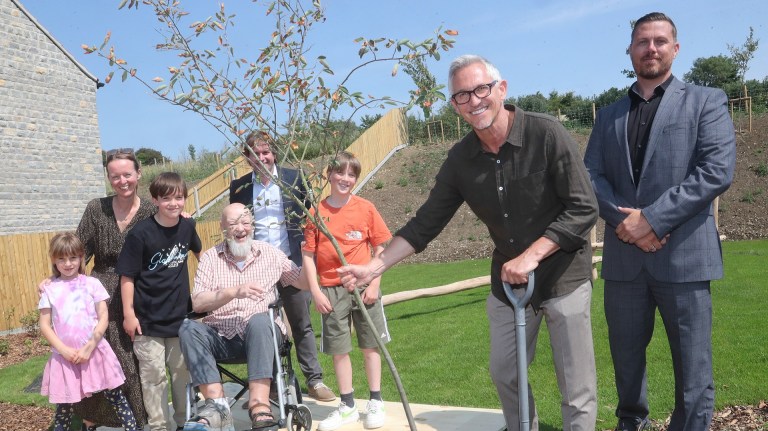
(360,231)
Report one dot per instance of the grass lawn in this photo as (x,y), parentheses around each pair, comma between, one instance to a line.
(440,344)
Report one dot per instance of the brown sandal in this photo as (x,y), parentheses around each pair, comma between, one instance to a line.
(262,424)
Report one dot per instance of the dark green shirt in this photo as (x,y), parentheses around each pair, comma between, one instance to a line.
(535,186)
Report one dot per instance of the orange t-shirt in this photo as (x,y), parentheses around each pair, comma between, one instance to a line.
(357,227)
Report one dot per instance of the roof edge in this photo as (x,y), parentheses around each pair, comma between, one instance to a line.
(57,43)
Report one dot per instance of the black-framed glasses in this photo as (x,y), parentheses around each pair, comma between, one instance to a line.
(481,91)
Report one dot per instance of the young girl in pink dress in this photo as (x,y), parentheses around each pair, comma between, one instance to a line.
(73,318)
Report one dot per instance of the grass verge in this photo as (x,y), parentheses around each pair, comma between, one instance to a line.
(440,344)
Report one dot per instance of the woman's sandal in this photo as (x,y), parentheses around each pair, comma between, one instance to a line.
(267,421)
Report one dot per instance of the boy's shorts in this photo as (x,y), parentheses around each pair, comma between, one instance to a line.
(337,336)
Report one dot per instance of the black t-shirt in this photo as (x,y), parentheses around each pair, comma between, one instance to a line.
(156,257)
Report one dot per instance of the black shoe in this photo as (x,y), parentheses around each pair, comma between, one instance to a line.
(633,424)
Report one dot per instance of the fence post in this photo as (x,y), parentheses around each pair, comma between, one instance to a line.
(197,201)
(442,131)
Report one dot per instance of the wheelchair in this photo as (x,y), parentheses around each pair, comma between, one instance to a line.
(293,415)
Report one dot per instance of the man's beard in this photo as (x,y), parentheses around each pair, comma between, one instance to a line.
(240,249)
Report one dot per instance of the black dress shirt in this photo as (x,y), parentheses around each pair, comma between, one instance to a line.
(641,115)
(535,186)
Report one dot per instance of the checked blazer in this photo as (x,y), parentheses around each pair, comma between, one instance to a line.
(689,161)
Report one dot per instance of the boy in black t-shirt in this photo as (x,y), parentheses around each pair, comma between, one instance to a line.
(155,291)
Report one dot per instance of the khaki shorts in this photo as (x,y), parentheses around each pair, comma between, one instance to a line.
(337,334)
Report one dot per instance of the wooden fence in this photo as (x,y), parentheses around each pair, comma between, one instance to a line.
(376,143)
(24,263)
(209,189)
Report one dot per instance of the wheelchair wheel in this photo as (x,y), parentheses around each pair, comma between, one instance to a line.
(299,418)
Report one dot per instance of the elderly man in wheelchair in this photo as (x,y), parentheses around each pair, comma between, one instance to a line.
(234,285)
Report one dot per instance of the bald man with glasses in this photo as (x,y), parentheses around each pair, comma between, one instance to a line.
(522,175)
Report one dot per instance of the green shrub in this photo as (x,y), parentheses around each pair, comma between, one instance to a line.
(378,185)
(761,170)
(5,346)
(750,196)
(30,323)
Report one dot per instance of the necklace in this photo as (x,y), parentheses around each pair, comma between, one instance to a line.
(128,214)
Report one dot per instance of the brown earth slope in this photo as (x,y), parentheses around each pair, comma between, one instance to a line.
(402,185)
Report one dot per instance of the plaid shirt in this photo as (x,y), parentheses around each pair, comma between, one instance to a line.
(217,270)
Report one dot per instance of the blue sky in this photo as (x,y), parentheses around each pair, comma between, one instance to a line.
(538,45)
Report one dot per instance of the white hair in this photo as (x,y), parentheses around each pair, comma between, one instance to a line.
(464,61)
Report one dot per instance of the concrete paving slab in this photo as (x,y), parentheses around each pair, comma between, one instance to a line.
(427,417)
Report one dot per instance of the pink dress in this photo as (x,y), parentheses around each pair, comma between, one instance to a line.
(73,314)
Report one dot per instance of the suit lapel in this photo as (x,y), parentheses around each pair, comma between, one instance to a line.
(666,113)
(621,135)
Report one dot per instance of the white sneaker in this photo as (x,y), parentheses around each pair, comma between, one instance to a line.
(374,415)
(341,416)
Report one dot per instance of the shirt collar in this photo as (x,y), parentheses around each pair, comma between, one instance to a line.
(657,92)
(515,136)
(257,181)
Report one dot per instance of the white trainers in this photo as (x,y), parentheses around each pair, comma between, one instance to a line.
(341,416)
(374,415)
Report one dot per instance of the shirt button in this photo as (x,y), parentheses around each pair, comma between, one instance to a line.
(511,240)
(506,215)
(498,161)
(501,188)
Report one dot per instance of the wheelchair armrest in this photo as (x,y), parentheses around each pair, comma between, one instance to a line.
(194,315)
(277,304)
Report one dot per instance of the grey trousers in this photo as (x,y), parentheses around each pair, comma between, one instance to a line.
(570,331)
(686,310)
(296,304)
(203,346)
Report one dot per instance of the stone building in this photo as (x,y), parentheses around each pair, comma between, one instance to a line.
(50,150)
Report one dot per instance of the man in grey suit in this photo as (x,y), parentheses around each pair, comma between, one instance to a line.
(657,159)
(278,222)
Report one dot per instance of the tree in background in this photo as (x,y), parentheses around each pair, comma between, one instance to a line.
(286,92)
(149,156)
(716,71)
(741,56)
(367,121)
(192,152)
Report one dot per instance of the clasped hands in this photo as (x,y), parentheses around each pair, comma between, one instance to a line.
(634,229)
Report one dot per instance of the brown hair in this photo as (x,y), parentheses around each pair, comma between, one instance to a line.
(123,154)
(167,183)
(654,16)
(257,139)
(64,245)
(343,160)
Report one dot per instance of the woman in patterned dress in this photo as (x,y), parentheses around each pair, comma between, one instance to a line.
(102,229)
